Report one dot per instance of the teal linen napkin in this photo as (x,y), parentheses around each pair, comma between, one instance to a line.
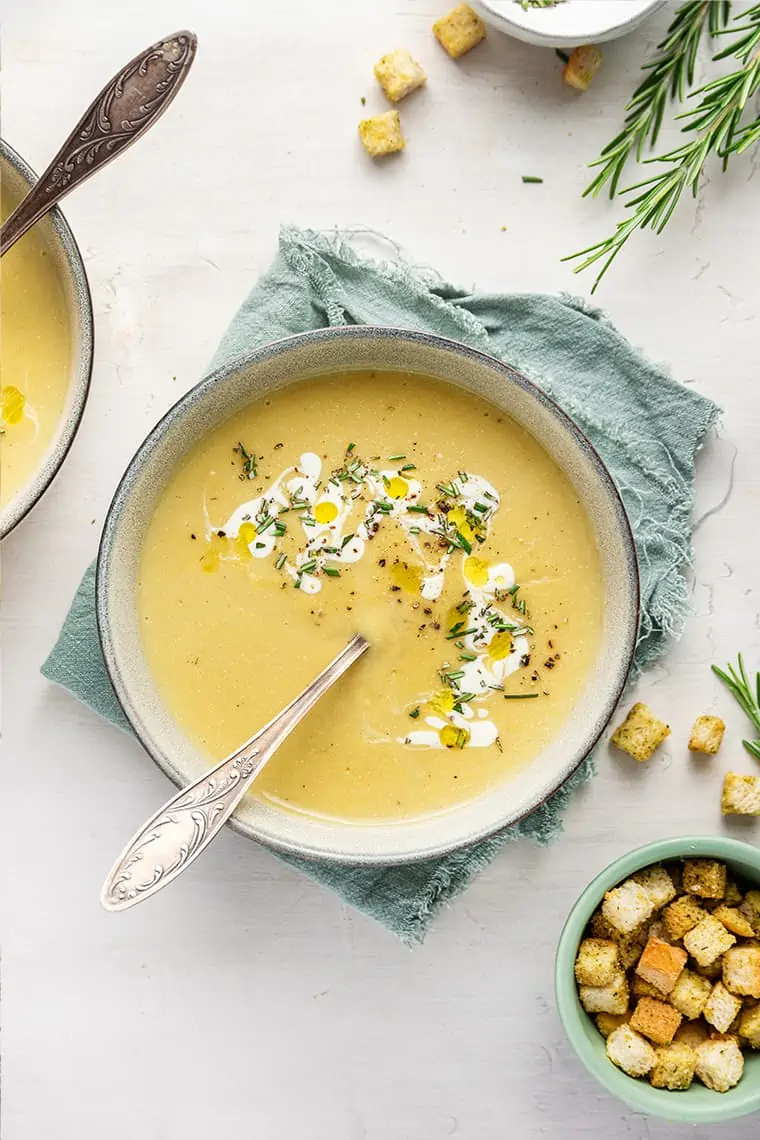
(646,427)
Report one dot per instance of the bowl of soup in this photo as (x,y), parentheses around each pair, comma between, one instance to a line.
(45,349)
(402,486)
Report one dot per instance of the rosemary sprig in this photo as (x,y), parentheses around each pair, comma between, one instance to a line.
(717,125)
(746,695)
(669,75)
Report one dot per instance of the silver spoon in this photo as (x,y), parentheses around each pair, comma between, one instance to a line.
(123,111)
(176,835)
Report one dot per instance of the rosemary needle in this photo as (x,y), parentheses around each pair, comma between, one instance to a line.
(747,696)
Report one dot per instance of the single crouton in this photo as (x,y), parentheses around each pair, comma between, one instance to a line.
(720,1064)
(705,878)
(606,1022)
(712,970)
(399,74)
(721,1007)
(707,735)
(693,1033)
(381,134)
(689,994)
(750,908)
(656,1020)
(733,920)
(627,906)
(640,988)
(661,964)
(459,31)
(640,733)
(657,883)
(741,971)
(674,1067)
(597,962)
(708,940)
(629,945)
(741,794)
(749,1026)
(582,66)
(681,917)
(612,998)
(630,1052)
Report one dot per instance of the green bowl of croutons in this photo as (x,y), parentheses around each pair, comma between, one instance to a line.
(658,979)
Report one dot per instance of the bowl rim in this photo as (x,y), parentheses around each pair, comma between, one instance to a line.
(520,23)
(284,345)
(639,1096)
(80,374)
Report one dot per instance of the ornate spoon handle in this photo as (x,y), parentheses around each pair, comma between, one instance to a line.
(123,111)
(176,835)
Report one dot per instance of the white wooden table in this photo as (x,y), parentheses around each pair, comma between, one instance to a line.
(247,1001)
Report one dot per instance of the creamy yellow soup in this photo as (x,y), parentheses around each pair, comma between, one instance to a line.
(405,509)
(35,357)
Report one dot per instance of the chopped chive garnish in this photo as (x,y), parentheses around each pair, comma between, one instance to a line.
(264,524)
(280,529)
(414,530)
(448,489)
(480,507)
(519,696)
(488,495)
(417,509)
(461,632)
(392,458)
(414,714)
(281,562)
(467,657)
(409,466)
(307,567)
(330,549)
(260,545)
(455,628)
(331,572)
(346,541)
(386,508)
(299,505)
(531,178)
(350,448)
(462,475)
(457,673)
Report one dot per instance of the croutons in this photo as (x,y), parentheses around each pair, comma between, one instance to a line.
(734,920)
(708,940)
(741,971)
(630,1052)
(681,917)
(641,732)
(692,1033)
(661,964)
(689,994)
(741,794)
(640,988)
(459,31)
(381,134)
(629,945)
(657,883)
(749,1026)
(707,735)
(399,74)
(606,1022)
(675,1066)
(597,962)
(656,1020)
(721,1008)
(705,878)
(612,998)
(750,908)
(582,66)
(720,1064)
(627,906)
(733,896)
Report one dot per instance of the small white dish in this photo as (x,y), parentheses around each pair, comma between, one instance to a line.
(568,24)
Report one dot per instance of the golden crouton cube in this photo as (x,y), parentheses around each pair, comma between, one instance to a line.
(707,735)
(630,1051)
(597,962)
(612,998)
(656,1020)
(708,940)
(640,988)
(627,906)
(693,1033)
(381,134)
(733,895)
(674,1067)
(607,1022)
(750,907)
(704,877)
(459,31)
(681,917)
(582,66)
(721,1008)
(399,74)
(689,994)
(734,920)
(629,945)
(720,1064)
(640,733)
(657,883)
(661,964)
(741,971)
(712,970)
(749,1026)
(741,794)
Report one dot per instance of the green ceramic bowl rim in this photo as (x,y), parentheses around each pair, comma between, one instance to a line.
(638,1095)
